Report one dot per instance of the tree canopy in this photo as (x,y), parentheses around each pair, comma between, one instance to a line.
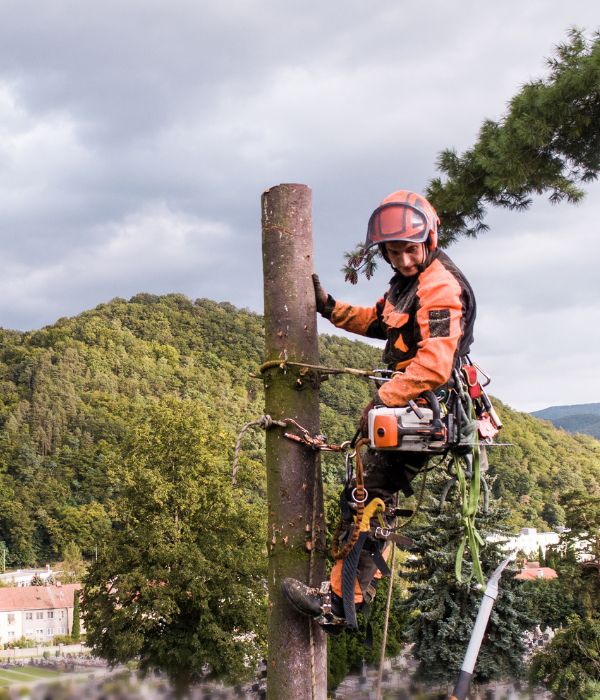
(547,142)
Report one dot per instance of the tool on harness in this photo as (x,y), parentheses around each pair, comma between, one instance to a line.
(454,425)
(410,428)
(433,426)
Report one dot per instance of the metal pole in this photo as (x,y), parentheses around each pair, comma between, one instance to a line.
(297,649)
(461,689)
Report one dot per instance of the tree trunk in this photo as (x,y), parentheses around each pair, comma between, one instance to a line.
(296,535)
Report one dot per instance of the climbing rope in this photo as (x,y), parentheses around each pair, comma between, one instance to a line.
(359,496)
(315,442)
(282,364)
(265,422)
(469,491)
(386,620)
(469,484)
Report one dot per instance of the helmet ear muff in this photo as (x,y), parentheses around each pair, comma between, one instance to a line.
(383,252)
(432,241)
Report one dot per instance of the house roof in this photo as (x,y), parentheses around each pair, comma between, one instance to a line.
(532,571)
(37,597)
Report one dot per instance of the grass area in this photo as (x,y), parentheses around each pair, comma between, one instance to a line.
(25,674)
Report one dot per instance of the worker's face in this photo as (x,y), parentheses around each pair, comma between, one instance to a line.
(406,256)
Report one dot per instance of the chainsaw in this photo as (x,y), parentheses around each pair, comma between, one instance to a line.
(434,424)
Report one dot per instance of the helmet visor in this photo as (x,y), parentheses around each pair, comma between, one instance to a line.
(396,222)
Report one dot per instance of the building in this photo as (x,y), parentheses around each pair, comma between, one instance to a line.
(22,577)
(532,571)
(36,612)
(529,541)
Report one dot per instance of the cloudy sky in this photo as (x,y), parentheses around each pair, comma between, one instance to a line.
(136,138)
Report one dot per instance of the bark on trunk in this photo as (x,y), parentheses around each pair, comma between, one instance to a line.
(296,537)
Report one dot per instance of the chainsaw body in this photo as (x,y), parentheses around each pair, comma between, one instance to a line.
(428,426)
(402,429)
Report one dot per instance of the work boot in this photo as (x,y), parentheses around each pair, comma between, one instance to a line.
(319,603)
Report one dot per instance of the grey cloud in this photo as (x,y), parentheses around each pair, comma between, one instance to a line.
(111,111)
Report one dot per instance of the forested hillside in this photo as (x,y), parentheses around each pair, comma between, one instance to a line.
(579,418)
(72,394)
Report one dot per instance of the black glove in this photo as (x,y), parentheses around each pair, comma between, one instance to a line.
(321,295)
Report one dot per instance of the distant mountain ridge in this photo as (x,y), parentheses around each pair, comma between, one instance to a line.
(578,418)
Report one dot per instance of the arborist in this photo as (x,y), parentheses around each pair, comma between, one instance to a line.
(427,318)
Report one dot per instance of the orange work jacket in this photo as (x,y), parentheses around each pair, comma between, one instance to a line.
(427,321)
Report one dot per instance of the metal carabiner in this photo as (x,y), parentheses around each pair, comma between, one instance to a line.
(353,496)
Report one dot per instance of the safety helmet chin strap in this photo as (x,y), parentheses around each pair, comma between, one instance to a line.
(427,256)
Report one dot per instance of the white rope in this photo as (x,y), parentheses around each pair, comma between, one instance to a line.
(386,622)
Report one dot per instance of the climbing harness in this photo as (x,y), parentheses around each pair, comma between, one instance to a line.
(455,422)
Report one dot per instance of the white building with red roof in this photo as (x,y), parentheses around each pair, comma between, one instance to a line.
(36,612)
(532,571)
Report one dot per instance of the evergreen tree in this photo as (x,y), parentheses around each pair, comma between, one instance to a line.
(541,557)
(76,627)
(73,564)
(551,602)
(445,609)
(547,142)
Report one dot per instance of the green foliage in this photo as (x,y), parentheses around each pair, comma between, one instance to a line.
(68,393)
(569,666)
(73,564)
(578,554)
(76,627)
(83,445)
(22,643)
(179,582)
(541,465)
(547,142)
(550,603)
(444,610)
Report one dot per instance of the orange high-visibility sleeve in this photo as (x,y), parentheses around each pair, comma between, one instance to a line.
(440,319)
(356,319)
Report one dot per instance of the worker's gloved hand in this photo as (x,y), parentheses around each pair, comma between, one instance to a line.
(364,418)
(320,294)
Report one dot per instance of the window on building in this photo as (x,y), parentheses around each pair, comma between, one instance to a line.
(11,634)
(50,614)
(39,616)
(49,632)
(11,618)
(28,616)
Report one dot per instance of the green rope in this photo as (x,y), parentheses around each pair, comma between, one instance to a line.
(469,495)
(469,491)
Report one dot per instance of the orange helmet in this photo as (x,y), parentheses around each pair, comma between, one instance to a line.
(403,216)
